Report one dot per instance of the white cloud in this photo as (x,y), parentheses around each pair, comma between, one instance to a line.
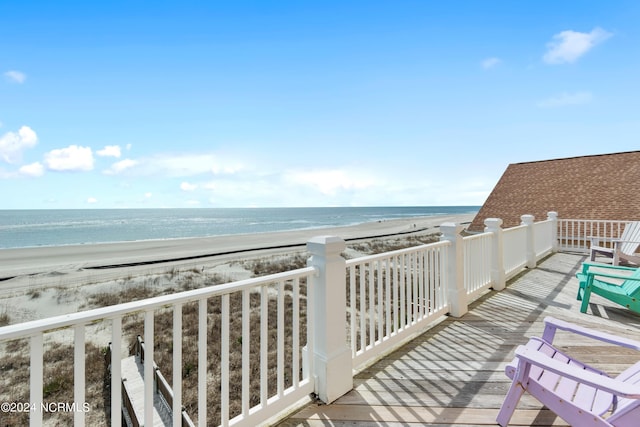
(568,46)
(110,151)
(148,195)
(15,76)
(490,62)
(34,169)
(185,186)
(329,182)
(184,165)
(564,99)
(71,158)
(189,165)
(121,166)
(92,200)
(12,144)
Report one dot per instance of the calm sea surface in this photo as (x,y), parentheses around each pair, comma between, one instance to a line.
(28,228)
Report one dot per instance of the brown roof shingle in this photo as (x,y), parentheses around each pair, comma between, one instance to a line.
(601,187)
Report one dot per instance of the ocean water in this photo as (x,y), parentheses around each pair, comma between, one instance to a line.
(30,228)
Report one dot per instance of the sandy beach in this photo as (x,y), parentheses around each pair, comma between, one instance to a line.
(63,259)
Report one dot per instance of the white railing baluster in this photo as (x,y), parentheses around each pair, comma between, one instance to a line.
(379,286)
(177,365)
(421,294)
(280,340)
(311,319)
(264,346)
(363,308)
(396,301)
(295,356)
(372,305)
(35,379)
(149,380)
(202,362)
(224,362)
(352,309)
(402,272)
(246,343)
(408,290)
(116,372)
(433,270)
(387,302)
(79,375)
(414,280)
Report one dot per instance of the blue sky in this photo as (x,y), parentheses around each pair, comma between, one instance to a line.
(126,104)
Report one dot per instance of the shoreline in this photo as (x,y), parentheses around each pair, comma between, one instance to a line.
(68,258)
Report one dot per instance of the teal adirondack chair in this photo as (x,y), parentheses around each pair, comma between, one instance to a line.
(620,285)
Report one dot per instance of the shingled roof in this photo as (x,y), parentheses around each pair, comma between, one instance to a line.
(604,186)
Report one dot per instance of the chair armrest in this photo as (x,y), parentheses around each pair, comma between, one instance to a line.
(586,265)
(552,324)
(599,238)
(602,382)
(610,275)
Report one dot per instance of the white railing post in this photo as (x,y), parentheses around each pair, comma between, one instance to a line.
(332,363)
(531,248)
(553,216)
(455,268)
(493,225)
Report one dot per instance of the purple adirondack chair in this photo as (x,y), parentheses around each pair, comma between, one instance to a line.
(579,394)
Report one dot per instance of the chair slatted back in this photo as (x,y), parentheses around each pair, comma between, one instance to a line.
(630,238)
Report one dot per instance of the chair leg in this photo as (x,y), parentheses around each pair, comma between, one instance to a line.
(510,402)
(585,299)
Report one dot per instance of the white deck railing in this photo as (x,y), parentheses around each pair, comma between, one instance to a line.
(515,250)
(478,251)
(391,295)
(313,327)
(545,237)
(213,319)
(575,234)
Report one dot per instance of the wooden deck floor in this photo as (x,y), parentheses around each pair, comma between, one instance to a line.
(453,374)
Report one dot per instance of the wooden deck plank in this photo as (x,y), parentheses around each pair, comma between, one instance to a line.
(453,374)
(382,415)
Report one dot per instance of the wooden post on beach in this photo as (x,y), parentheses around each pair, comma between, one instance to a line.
(493,225)
(553,216)
(331,363)
(531,248)
(455,269)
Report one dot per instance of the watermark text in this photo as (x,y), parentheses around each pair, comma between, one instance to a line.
(46,407)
